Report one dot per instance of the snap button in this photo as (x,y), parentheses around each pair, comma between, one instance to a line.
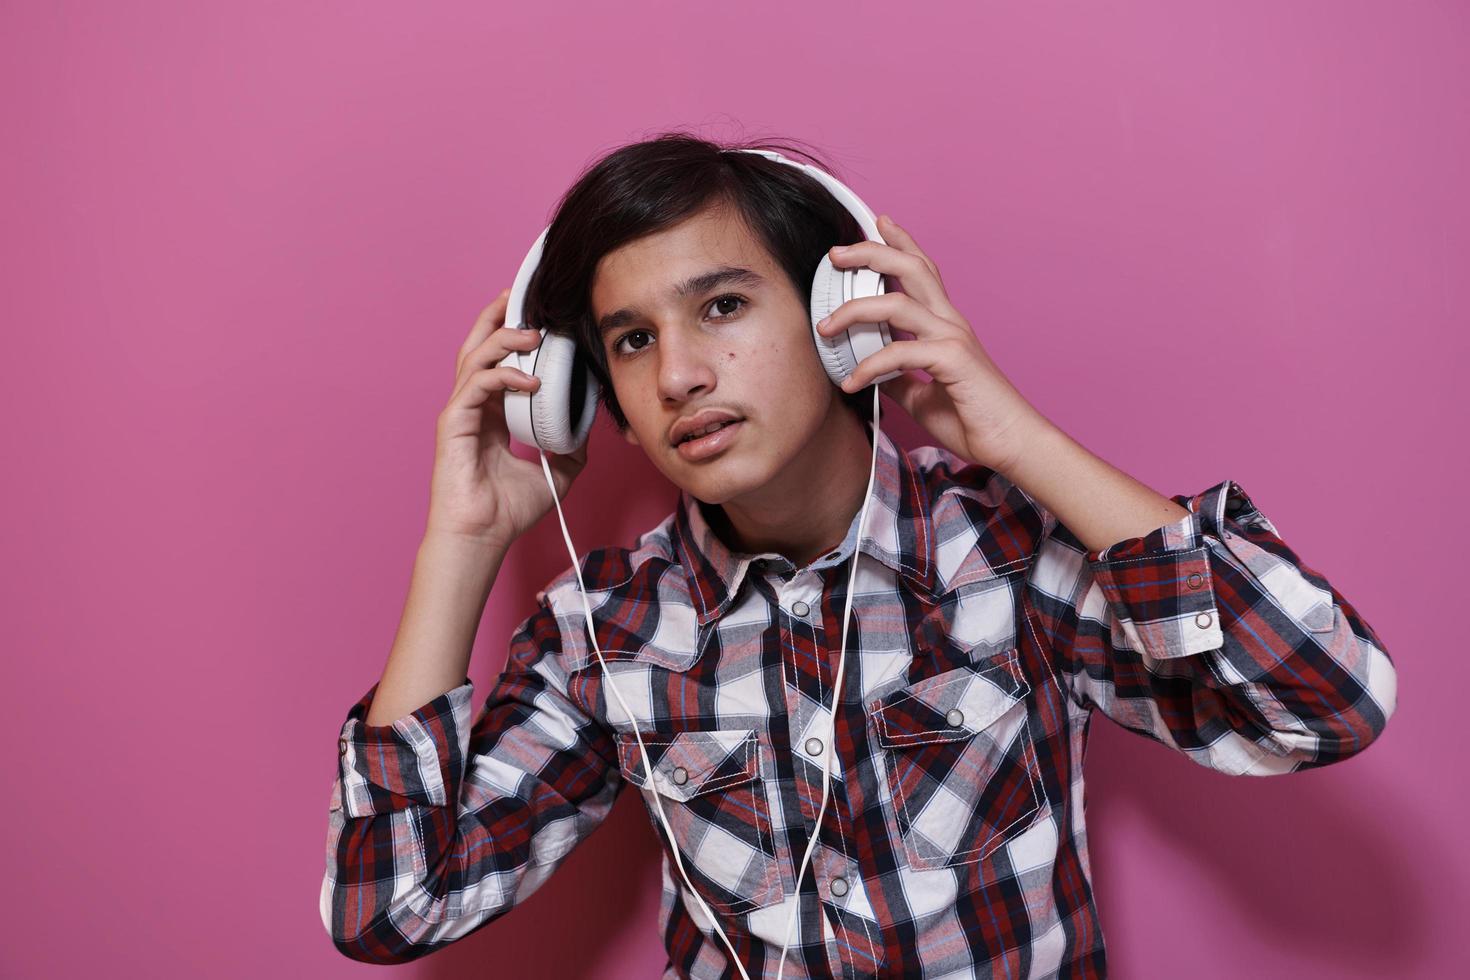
(1203,621)
(681,776)
(838,887)
(1196,580)
(1258,527)
(1234,505)
(800,608)
(954,718)
(830,557)
(342,746)
(813,746)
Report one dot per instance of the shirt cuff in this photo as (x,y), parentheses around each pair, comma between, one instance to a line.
(415,760)
(1160,585)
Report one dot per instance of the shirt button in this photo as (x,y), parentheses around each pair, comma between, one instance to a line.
(838,887)
(813,746)
(342,746)
(800,608)
(1203,621)
(1196,580)
(681,776)
(954,718)
(1234,505)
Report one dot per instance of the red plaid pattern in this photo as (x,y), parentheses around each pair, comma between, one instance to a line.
(983,636)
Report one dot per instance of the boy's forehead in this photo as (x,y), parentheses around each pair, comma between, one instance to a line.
(648,268)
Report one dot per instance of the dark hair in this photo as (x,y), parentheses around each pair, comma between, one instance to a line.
(647,186)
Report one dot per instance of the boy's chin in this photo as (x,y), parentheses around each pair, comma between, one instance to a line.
(709,489)
(719,481)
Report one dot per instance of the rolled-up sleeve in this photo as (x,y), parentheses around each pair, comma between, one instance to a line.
(1212,637)
(439,824)
(416,760)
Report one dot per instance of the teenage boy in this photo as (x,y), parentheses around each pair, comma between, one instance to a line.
(1007,583)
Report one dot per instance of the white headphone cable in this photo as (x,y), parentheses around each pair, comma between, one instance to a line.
(831,752)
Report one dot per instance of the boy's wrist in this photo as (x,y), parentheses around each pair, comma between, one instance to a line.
(456,546)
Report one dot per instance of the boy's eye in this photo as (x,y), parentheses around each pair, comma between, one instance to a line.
(719,301)
(617,344)
(728,299)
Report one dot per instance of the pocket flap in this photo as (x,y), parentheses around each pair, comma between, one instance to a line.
(686,764)
(950,706)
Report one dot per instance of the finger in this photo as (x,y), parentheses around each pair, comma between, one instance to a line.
(899,310)
(934,356)
(497,347)
(904,390)
(912,271)
(566,466)
(490,318)
(480,386)
(896,235)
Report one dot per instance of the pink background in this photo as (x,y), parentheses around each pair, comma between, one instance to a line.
(243,243)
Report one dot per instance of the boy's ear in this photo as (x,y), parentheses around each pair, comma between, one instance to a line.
(630,435)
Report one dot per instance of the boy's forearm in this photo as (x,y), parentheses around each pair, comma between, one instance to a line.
(1098,502)
(452,578)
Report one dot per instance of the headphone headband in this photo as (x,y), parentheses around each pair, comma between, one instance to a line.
(841,191)
(514,312)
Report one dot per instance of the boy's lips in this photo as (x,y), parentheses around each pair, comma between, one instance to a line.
(711,444)
(701,419)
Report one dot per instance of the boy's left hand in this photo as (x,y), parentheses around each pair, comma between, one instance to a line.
(973,409)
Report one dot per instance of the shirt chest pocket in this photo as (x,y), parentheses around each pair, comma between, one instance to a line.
(960,767)
(714,798)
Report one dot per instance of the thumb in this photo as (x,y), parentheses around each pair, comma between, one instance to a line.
(568,465)
(903,390)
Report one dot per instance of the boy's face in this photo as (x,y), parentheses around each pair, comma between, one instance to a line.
(741,345)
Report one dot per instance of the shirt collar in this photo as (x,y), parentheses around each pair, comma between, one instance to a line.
(897,532)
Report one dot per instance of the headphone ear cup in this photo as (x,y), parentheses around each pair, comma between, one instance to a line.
(562,409)
(843,351)
(827,294)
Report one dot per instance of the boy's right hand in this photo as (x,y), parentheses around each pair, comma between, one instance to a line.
(480,490)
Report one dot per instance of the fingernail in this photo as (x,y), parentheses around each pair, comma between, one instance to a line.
(823,322)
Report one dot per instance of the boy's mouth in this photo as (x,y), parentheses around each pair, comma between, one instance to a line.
(701,444)
(699,423)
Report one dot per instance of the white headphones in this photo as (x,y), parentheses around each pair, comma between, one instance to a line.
(556,419)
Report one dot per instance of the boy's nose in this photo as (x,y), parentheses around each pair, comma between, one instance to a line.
(684,369)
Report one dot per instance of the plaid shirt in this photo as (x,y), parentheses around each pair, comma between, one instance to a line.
(983,637)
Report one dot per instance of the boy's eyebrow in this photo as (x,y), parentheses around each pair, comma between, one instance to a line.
(703,282)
